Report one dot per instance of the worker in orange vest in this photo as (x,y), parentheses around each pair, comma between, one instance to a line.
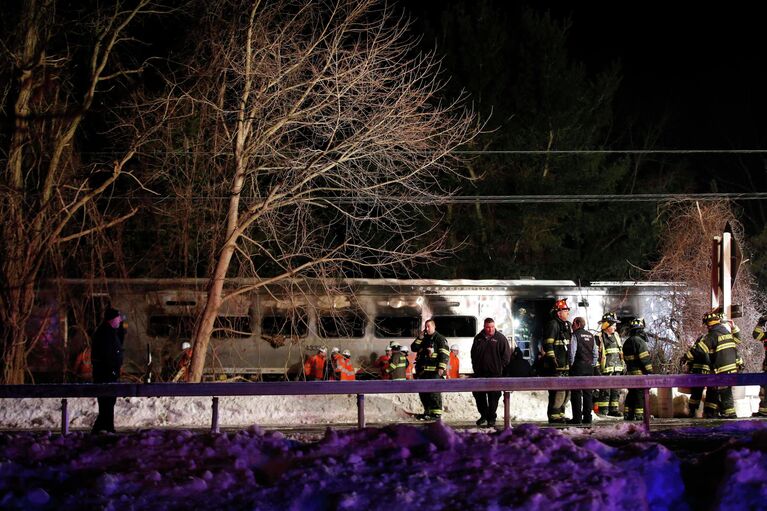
(317,367)
(345,369)
(454,363)
(83,368)
(382,364)
(410,362)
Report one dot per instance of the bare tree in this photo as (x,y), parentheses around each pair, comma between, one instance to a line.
(55,67)
(686,259)
(324,144)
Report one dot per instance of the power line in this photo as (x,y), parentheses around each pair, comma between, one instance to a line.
(491,199)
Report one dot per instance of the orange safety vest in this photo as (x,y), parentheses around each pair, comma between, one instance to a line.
(345,370)
(453,366)
(315,367)
(83,365)
(409,370)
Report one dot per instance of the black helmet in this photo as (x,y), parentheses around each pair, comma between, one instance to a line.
(637,324)
(712,317)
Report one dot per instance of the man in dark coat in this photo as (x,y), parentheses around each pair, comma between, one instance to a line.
(584,360)
(107,358)
(555,363)
(490,353)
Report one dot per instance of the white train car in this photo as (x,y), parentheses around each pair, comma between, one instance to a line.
(268,332)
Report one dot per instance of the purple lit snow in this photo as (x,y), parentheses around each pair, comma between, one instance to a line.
(394,467)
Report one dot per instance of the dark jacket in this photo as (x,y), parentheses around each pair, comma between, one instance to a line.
(490,355)
(429,364)
(635,353)
(583,365)
(720,349)
(555,345)
(518,367)
(106,354)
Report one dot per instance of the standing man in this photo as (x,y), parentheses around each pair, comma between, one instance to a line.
(554,363)
(432,354)
(490,353)
(382,364)
(610,364)
(107,358)
(759,335)
(584,360)
(637,360)
(720,350)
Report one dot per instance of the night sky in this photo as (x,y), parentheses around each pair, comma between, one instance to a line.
(699,67)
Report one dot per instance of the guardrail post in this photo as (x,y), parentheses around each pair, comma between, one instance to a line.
(360,411)
(506,409)
(64,418)
(214,416)
(647,410)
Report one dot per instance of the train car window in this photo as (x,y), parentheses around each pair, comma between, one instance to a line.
(387,327)
(349,324)
(175,327)
(279,324)
(456,326)
(232,327)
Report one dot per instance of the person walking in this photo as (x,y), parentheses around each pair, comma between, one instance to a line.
(584,361)
(697,362)
(637,360)
(107,359)
(490,353)
(610,364)
(432,354)
(554,362)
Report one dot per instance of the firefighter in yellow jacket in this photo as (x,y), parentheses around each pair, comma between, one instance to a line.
(637,359)
(759,335)
(610,364)
(720,350)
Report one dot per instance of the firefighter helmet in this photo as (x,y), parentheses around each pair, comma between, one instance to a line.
(186,345)
(322,349)
(405,349)
(346,353)
(712,317)
(454,347)
(394,346)
(335,349)
(609,318)
(561,305)
(637,324)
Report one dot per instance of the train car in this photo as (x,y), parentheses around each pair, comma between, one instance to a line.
(268,331)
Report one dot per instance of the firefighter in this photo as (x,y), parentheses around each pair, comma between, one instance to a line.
(697,362)
(454,363)
(720,351)
(398,363)
(83,369)
(431,363)
(344,368)
(759,335)
(382,363)
(554,362)
(637,360)
(610,364)
(318,367)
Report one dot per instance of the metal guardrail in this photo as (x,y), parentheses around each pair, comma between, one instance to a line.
(361,388)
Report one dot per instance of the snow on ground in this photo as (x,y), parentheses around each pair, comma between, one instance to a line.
(400,466)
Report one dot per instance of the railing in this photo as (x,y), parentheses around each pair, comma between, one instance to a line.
(361,388)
